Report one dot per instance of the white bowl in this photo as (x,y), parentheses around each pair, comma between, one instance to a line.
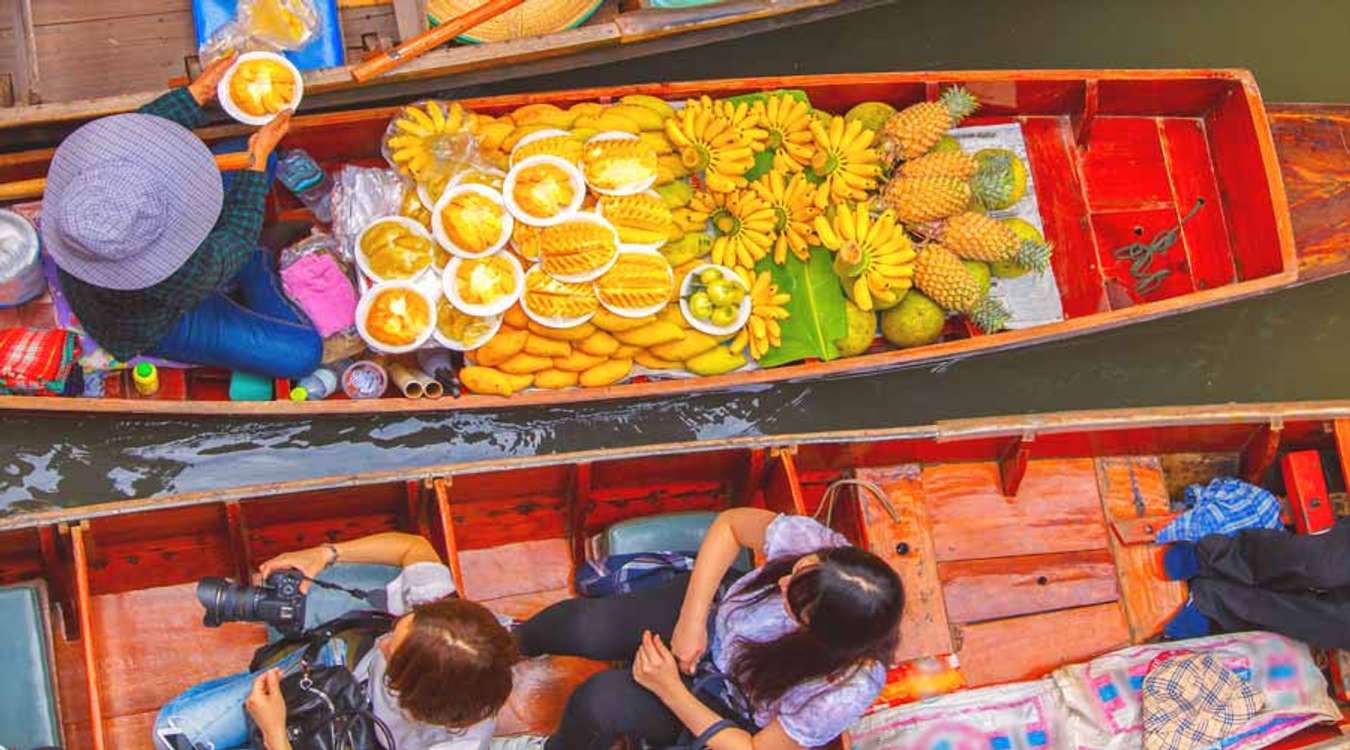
(363,309)
(494,324)
(404,221)
(573,175)
(704,325)
(544,320)
(430,202)
(592,275)
(641,312)
(531,138)
(498,307)
(635,246)
(438,226)
(233,110)
(635,188)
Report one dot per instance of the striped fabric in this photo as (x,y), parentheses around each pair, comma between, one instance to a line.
(34,362)
(1192,702)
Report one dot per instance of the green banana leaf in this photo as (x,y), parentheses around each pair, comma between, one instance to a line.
(817,316)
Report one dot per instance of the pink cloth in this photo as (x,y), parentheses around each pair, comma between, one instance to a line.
(318,285)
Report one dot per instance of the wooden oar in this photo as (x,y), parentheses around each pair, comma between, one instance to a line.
(429,40)
(20,189)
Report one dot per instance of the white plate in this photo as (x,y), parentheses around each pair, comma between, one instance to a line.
(640,312)
(531,138)
(438,226)
(635,188)
(233,110)
(404,221)
(544,320)
(592,275)
(573,175)
(498,307)
(457,179)
(494,324)
(363,309)
(704,325)
(635,246)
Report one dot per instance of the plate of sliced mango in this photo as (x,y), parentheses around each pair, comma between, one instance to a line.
(258,86)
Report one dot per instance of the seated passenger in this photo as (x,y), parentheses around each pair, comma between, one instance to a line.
(792,653)
(436,680)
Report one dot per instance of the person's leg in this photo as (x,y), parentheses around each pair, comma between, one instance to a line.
(604,628)
(1321,620)
(222,333)
(209,715)
(1279,560)
(609,705)
(260,287)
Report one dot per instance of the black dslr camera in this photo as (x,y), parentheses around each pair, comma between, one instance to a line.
(279,602)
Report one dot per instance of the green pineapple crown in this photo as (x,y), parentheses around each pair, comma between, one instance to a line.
(989,315)
(1034,255)
(958,102)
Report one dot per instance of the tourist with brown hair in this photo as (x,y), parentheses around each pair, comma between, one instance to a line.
(436,680)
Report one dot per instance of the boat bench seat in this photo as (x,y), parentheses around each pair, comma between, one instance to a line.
(29,713)
(668,532)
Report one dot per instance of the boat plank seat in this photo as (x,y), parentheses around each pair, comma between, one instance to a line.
(30,713)
(667,532)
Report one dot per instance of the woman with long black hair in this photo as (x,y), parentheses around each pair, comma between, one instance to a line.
(791,654)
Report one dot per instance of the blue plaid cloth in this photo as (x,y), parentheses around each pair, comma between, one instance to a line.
(1224,506)
(621,574)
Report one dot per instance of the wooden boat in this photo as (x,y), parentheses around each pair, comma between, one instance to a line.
(65,63)
(1117,156)
(1024,542)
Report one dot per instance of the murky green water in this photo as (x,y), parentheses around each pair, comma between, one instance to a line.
(1286,346)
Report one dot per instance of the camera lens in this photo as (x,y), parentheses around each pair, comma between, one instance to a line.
(226,601)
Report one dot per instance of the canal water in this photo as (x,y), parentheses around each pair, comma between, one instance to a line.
(1286,346)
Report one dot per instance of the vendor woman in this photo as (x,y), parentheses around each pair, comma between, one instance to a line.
(158,251)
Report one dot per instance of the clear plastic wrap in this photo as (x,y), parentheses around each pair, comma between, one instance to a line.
(316,278)
(361,195)
(271,25)
(431,141)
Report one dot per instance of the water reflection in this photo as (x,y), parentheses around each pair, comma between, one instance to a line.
(1285,346)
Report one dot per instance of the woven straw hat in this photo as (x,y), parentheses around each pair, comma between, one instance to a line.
(530,18)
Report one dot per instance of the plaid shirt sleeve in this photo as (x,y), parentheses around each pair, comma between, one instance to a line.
(178,106)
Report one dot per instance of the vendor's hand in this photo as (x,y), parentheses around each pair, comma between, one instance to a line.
(654,667)
(689,642)
(204,88)
(265,704)
(310,561)
(262,143)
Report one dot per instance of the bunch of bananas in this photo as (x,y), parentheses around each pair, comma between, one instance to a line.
(429,133)
(844,160)
(767,307)
(793,202)
(873,257)
(743,225)
(710,143)
(788,122)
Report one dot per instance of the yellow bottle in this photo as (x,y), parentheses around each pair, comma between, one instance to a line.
(146,378)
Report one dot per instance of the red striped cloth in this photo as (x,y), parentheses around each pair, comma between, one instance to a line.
(36,362)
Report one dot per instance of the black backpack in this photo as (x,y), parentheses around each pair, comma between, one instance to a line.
(327,708)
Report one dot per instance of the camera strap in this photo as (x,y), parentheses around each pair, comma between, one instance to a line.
(377,598)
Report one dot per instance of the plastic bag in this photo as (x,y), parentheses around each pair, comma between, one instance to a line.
(270,25)
(431,141)
(316,278)
(361,195)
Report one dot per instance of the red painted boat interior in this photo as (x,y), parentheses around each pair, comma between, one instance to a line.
(1018,555)
(1117,160)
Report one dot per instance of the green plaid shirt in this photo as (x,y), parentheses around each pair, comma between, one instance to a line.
(128,323)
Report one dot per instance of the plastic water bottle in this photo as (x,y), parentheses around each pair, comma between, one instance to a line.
(321,383)
(305,179)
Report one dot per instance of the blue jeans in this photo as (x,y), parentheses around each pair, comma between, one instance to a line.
(211,716)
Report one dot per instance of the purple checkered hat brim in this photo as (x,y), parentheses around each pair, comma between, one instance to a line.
(129,198)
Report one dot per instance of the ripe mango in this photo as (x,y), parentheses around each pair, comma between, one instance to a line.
(599,344)
(645,118)
(577,361)
(716,361)
(693,344)
(546,115)
(651,334)
(651,361)
(516,318)
(608,373)
(608,321)
(575,333)
(655,104)
(553,379)
(540,346)
(505,345)
(525,364)
(489,381)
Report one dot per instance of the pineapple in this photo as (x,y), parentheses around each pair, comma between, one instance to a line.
(941,276)
(941,164)
(975,236)
(914,130)
(920,199)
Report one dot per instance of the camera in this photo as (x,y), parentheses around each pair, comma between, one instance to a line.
(279,602)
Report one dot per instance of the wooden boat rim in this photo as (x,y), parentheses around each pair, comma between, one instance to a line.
(1024,426)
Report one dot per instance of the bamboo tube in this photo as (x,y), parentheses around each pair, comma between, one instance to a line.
(425,42)
(411,380)
(20,189)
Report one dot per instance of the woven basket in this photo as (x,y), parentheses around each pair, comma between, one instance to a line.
(531,18)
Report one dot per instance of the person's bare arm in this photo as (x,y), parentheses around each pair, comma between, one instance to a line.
(388,548)
(732,530)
